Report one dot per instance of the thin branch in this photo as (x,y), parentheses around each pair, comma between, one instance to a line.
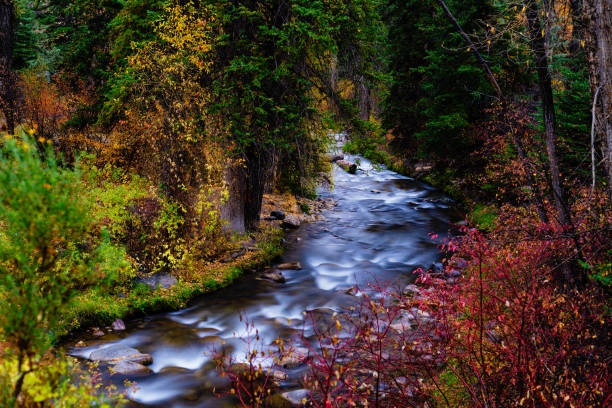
(593,140)
(474,50)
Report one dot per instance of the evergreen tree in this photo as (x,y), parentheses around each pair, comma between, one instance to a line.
(437,88)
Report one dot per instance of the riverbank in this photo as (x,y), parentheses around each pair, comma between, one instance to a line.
(93,310)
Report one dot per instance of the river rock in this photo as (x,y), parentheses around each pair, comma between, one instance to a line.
(454,273)
(296,397)
(290,265)
(411,289)
(97,332)
(347,166)
(279,375)
(274,275)
(291,221)
(403,323)
(294,357)
(336,157)
(118,325)
(131,368)
(277,214)
(117,353)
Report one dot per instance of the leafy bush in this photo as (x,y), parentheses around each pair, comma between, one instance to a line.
(48,250)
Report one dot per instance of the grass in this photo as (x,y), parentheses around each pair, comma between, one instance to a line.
(99,307)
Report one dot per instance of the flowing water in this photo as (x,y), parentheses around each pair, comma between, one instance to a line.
(378,232)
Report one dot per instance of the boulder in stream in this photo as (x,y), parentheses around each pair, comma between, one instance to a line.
(117,353)
(294,357)
(97,332)
(290,265)
(296,398)
(274,275)
(347,166)
(130,368)
(118,325)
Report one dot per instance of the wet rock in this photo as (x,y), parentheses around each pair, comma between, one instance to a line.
(291,221)
(279,375)
(347,166)
(336,157)
(290,265)
(454,273)
(436,267)
(97,332)
(274,275)
(118,325)
(117,352)
(130,368)
(296,397)
(279,215)
(294,357)
(174,370)
(402,324)
(411,289)
(80,343)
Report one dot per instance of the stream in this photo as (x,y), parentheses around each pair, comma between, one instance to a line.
(378,232)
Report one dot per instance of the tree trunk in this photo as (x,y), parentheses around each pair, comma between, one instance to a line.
(233,209)
(334,73)
(7,79)
(539,202)
(257,163)
(538,47)
(598,35)
(572,273)
(363,95)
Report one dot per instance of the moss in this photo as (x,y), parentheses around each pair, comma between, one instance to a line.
(99,306)
(484,217)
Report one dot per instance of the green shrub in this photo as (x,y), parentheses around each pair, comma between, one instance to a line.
(48,250)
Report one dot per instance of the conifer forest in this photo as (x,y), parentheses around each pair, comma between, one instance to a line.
(305,203)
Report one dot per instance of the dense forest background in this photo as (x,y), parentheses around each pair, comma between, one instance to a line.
(140,136)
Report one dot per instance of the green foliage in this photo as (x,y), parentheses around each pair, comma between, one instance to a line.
(484,217)
(114,190)
(60,382)
(48,248)
(369,147)
(573,101)
(24,47)
(601,272)
(438,88)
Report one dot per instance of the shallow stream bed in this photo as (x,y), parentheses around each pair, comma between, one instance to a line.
(378,232)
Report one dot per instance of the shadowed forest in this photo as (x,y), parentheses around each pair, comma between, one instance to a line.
(154,153)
